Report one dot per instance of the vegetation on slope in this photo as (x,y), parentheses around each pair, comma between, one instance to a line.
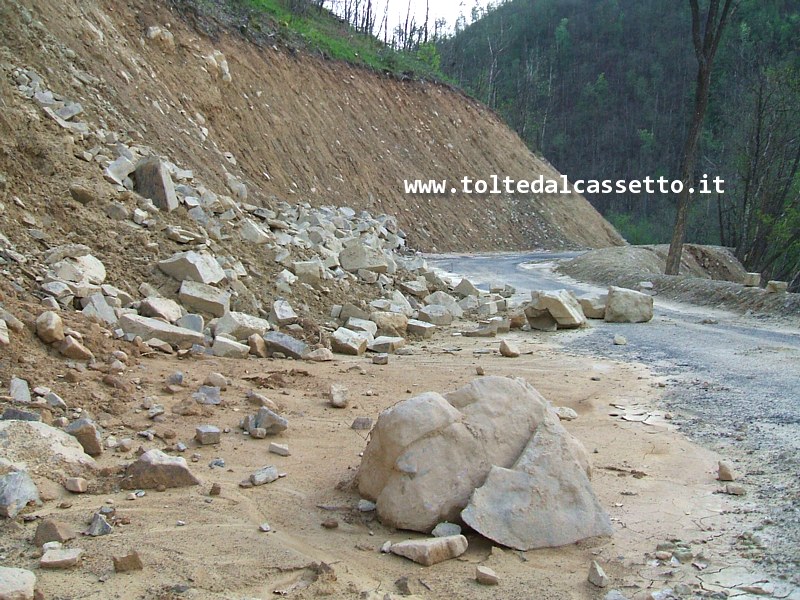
(604,89)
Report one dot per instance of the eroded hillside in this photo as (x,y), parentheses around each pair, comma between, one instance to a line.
(291,127)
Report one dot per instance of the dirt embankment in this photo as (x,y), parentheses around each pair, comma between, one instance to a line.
(299,128)
(710,276)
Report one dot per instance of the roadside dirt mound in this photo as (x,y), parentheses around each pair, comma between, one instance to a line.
(291,127)
(710,276)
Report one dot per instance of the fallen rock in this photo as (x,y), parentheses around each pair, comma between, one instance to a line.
(228,348)
(508,349)
(76,485)
(279,449)
(359,257)
(72,348)
(751,280)
(148,328)
(127,562)
(347,341)
(486,576)
(594,307)
(776,287)
(320,355)
(265,420)
(386,344)
(420,329)
(154,469)
(544,500)
(61,558)
(436,314)
(562,305)
(628,306)
(465,288)
(162,308)
(446,300)
(264,475)
(286,344)
(51,530)
(390,323)
(207,434)
(195,266)
(540,320)
(282,313)
(258,347)
(427,454)
(204,298)
(19,390)
(153,181)
(99,526)
(337,394)
(17,489)
(17,584)
(88,435)
(240,325)
(725,472)
(431,551)
(49,327)
(620,340)
(597,576)
(565,413)
(445,529)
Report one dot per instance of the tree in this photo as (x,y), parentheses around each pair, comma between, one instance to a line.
(706,39)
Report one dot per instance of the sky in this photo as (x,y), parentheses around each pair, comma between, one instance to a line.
(448,9)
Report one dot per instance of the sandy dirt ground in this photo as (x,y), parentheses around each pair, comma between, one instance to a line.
(656,486)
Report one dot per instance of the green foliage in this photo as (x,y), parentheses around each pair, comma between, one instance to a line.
(429,55)
(320,31)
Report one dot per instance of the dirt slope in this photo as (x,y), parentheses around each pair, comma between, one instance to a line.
(299,128)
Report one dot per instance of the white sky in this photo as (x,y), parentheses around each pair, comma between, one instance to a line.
(449,9)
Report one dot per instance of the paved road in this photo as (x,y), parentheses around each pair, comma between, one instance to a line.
(734,383)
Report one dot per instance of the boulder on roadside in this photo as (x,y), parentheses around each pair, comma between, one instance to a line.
(286,344)
(346,341)
(562,305)
(594,307)
(628,306)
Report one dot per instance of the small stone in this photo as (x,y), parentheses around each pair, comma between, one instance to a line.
(61,559)
(208,395)
(338,396)
(19,390)
(87,433)
(486,576)
(620,340)
(684,555)
(734,489)
(615,595)
(565,413)
(279,449)
(428,552)
(725,472)
(380,359)
(51,530)
(72,348)
(99,526)
(76,485)
(387,547)
(509,350)
(127,562)
(264,475)
(320,355)
(216,380)
(366,505)
(49,327)
(480,371)
(207,434)
(597,576)
(362,424)
(330,523)
(445,529)
(265,528)
(154,468)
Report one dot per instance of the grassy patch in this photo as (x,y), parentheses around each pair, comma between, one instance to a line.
(323,32)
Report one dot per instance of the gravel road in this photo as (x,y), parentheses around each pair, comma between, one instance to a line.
(733,385)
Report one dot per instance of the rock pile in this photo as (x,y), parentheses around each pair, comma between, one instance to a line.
(470,455)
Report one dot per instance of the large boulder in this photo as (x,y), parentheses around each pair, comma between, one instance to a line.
(429,454)
(562,306)
(204,298)
(544,500)
(446,300)
(628,306)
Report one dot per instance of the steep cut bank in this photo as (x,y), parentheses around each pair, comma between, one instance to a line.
(292,127)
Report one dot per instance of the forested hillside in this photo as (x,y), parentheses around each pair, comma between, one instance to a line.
(604,89)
